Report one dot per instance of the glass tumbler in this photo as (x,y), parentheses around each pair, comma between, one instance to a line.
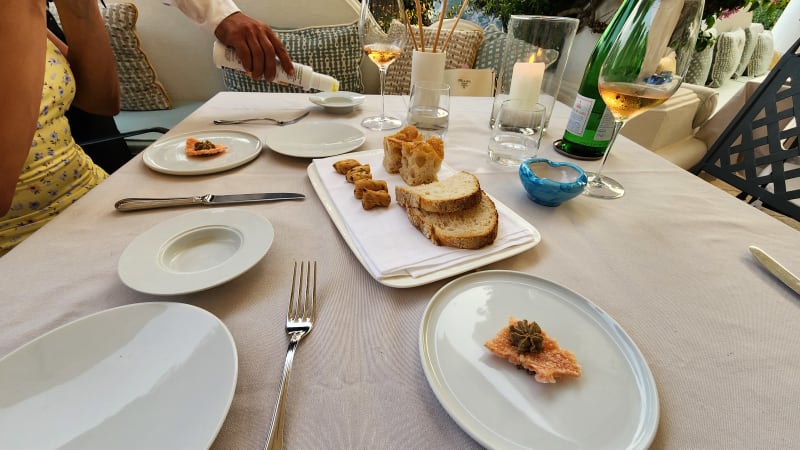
(517,132)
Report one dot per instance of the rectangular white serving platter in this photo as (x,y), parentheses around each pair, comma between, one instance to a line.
(407,281)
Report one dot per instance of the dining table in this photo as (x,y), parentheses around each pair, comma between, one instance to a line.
(668,262)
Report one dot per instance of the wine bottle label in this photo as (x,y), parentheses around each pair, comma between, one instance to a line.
(605,128)
(579,116)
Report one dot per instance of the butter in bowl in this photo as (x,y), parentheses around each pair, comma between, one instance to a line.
(551,183)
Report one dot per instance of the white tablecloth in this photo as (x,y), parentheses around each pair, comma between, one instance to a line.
(668,261)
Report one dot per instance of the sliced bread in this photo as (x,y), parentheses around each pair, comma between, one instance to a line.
(460,191)
(471,228)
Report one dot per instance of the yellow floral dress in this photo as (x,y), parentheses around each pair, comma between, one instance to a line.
(57,172)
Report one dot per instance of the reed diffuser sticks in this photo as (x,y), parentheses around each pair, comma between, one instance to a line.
(442,13)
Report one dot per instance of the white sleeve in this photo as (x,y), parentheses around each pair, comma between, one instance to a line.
(207,13)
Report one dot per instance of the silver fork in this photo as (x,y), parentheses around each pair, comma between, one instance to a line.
(299,321)
(268,119)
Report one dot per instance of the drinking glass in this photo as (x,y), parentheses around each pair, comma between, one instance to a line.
(517,132)
(429,108)
(645,66)
(383,44)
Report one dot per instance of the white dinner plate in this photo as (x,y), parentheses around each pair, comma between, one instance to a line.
(612,405)
(195,251)
(140,376)
(315,139)
(341,102)
(169,155)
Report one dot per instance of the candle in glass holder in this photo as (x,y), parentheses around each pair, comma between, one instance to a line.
(526,81)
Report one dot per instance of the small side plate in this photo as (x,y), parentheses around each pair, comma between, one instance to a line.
(168,155)
(341,102)
(315,139)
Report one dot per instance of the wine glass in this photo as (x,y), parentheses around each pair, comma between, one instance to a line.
(382,30)
(645,66)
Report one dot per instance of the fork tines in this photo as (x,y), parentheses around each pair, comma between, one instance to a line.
(303,305)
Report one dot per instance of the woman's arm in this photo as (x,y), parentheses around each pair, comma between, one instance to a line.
(90,57)
(23,35)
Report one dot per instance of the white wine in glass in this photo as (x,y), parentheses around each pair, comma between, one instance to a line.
(383,33)
(645,66)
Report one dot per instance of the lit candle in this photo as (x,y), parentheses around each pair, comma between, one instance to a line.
(526,81)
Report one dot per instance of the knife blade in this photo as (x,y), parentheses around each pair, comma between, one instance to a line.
(135,204)
(776,269)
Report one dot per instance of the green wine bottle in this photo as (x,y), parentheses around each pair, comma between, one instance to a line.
(590,124)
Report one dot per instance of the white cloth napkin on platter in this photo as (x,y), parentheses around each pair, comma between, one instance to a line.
(389,244)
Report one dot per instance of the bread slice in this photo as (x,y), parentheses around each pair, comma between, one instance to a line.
(552,363)
(460,191)
(471,228)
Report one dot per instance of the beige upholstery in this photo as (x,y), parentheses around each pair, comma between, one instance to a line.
(179,48)
(669,130)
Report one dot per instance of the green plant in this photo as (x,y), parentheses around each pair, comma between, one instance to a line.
(723,8)
(583,10)
(767,13)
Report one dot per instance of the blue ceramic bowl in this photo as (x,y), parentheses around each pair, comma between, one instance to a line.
(551,183)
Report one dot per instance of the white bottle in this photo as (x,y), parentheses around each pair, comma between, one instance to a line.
(304,76)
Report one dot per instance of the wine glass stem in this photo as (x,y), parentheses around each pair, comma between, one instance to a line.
(383,71)
(598,175)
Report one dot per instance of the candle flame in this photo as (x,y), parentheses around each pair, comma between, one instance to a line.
(537,56)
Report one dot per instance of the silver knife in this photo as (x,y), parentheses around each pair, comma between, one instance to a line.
(133,204)
(776,268)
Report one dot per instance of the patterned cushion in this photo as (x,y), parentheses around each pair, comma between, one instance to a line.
(332,50)
(462,51)
(699,66)
(490,55)
(140,88)
(762,55)
(751,36)
(727,54)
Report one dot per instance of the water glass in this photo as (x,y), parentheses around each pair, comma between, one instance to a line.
(517,132)
(429,108)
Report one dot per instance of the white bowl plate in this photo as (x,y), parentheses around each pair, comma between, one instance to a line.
(341,102)
(195,251)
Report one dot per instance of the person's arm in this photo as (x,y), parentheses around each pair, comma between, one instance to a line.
(255,42)
(23,40)
(90,57)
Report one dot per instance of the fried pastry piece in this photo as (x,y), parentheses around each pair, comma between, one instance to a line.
(196,147)
(547,366)
(371,199)
(369,185)
(344,165)
(362,172)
